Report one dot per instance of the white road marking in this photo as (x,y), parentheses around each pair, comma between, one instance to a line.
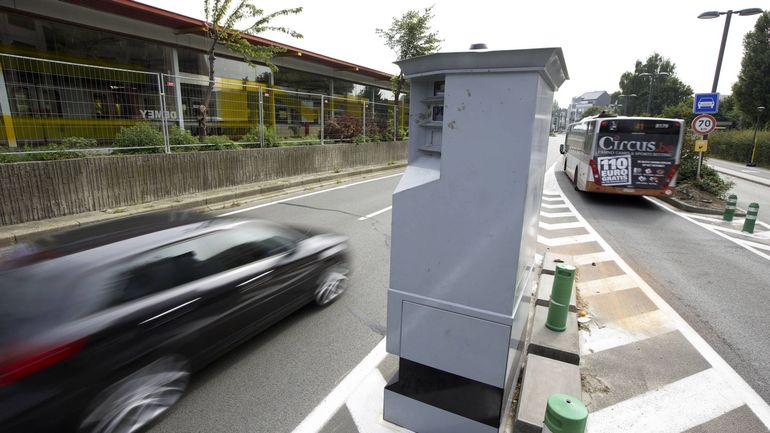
(555,214)
(672,408)
(373,214)
(587,259)
(546,198)
(329,405)
(566,240)
(707,218)
(757,245)
(365,405)
(553,206)
(605,285)
(306,195)
(560,226)
(608,335)
(710,228)
(760,408)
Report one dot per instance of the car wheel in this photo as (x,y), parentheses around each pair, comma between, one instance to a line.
(135,401)
(332,283)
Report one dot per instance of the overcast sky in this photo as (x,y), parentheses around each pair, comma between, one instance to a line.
(600,39)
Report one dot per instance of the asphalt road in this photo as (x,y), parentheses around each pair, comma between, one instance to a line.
(719,288)
(272,382)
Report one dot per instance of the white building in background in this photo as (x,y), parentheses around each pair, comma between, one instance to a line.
(585,101)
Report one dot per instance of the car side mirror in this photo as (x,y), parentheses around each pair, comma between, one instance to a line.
(562,149)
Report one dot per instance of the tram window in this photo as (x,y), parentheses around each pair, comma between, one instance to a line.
(51,103)
(23,101)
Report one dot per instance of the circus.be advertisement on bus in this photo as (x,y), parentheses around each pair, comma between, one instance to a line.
(637,160)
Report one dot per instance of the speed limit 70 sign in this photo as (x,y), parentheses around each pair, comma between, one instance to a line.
(704,124)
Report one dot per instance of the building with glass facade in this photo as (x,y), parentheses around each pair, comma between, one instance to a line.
(89,67)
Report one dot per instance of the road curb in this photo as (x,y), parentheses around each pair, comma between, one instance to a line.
(552,358)
(10,235)
(679,204)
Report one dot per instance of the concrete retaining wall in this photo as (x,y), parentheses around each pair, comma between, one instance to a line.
(31,191)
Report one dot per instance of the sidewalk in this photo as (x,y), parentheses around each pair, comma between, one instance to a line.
(206,201)
(643,368)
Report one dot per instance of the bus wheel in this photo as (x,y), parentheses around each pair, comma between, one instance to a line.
(575,179)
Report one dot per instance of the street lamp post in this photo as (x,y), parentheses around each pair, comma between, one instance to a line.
(652,80)
(754,147)
(716,14)
(625,106)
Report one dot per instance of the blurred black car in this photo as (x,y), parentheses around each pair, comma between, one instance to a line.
(100,327)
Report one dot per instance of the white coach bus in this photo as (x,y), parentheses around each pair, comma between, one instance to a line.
(623,155)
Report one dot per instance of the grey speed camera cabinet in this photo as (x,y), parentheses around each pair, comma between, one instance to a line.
(465,220)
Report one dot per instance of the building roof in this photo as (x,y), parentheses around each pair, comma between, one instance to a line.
(183,24)
(589,96)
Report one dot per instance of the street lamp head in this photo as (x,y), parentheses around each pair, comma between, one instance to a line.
(760,109)
(709,15)
(749,11)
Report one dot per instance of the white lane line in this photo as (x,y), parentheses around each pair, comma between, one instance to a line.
(710,228)
(329,405)
(373,214)
(608,335)
(587,259)
(760,408)
(307,195)
(566,240)
(758,245)
(560,226)
(672,408)
(365,405)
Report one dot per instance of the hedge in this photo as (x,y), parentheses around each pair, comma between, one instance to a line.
(735,145)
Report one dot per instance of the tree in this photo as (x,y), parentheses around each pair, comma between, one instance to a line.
(667,90)
(221,21)
(409,36)
(591,111)
(752,89)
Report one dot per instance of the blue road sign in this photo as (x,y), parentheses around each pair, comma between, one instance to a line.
(705,103)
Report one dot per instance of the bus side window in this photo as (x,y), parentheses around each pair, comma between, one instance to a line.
(589,138)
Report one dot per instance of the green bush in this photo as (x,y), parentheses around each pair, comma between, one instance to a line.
(251,138)
(220,142)
(179,136)
(79,142)
(51,152)
(735,145)
(710,180)
(139,135)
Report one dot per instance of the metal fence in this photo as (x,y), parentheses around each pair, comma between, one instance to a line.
(50,106)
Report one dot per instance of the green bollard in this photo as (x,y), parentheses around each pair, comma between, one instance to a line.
(564,414)
(730,207)
(751,218)
(558,308)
